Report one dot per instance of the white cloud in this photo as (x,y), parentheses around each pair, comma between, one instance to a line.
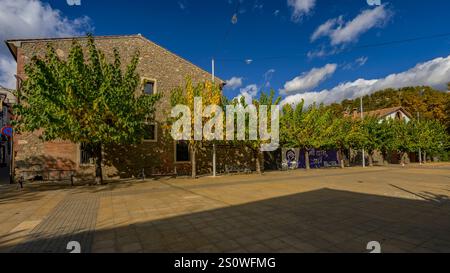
(251,89)
(32,19)
(309,80)
(234,83)
(268,77)
(326,28)
(300,8)
(355,64)
(7,72)
(435,73)
(341,32)
(361,61)
(249,92)
(323,52)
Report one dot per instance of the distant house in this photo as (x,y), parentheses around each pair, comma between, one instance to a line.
(161,71)
(390,113)
(398,113)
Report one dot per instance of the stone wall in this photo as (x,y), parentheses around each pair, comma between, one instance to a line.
(156,63)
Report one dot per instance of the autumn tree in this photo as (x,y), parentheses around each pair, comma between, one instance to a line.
(84,99)
(209,94)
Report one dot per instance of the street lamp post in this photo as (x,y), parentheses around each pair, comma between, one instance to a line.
(214,144)
(363,150)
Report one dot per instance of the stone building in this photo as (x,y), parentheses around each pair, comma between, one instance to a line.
(161,71)
(7,99)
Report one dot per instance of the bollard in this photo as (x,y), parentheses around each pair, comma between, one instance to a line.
(21,179)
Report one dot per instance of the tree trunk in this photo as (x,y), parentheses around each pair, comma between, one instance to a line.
(307,165)
(370,159)
(98,164)
(341,157)
(402,158)
(424,157)
(384,156)
(193,162)
(257,156)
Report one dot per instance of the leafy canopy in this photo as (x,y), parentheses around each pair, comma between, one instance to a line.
(84,100)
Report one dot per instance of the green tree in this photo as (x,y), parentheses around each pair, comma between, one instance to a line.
(372,130)
(255,145)
(428,135)
(306,129)
(342,134)
(402,138)
(84,100)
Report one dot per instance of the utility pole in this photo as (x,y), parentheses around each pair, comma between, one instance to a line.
(420,149)
(363,151)
(214,144)
(421,93)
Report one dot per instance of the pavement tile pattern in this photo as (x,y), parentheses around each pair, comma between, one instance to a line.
(73,219)
(404,209)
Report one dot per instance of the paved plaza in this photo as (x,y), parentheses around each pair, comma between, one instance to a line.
(404,209)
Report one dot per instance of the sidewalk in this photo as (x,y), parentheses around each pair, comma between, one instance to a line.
(406,210)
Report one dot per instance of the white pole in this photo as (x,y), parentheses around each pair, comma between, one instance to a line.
(214,145)
(363,151)
(420,149)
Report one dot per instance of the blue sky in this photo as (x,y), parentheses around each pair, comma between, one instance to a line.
(278,36)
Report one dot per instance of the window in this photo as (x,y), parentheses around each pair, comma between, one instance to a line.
(149,87)
(86,154)
(182,152)
(150,133)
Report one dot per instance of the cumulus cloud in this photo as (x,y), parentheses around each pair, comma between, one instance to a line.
(300,8)
(234,83)
(341,32)
(435,73)
(249,92)
(32,19)
(309,80)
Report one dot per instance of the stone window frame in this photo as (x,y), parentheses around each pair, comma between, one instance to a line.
(156,132)
(145,80)
(175,153)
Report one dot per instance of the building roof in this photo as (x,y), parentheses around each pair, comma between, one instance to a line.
(382,113)
(13,44)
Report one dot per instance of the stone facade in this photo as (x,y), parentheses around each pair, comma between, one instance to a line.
(168,70)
